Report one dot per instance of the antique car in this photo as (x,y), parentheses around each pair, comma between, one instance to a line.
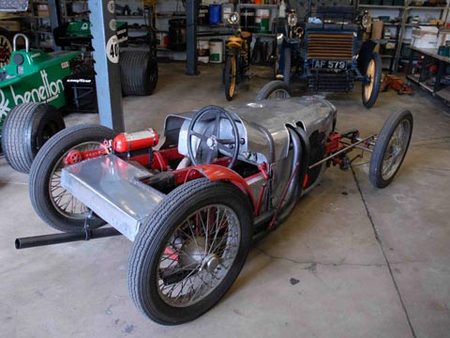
(38,88)
(327,54)
(193,200)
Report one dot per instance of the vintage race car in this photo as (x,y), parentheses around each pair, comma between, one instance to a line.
(193,200)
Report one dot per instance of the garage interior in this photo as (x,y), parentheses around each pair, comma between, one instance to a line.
(351,260)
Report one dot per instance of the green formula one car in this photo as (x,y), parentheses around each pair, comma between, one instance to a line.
(32,94)
(36,88)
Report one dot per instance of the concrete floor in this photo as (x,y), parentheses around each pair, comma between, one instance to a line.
(351,261)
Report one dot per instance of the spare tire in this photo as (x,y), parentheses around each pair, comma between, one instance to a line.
(27,127)
(139,73)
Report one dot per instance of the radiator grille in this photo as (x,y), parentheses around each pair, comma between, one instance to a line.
(331,82)
(330,46)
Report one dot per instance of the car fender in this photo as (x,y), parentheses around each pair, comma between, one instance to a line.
(216,172)
(365,54)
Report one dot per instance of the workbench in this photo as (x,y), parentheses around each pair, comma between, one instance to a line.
(430,57)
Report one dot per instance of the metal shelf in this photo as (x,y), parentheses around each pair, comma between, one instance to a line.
(381,6)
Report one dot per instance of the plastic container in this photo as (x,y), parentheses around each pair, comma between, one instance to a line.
(162,39)
(203,50)
(215,51)
(262,20)
(203,15)
(215,14)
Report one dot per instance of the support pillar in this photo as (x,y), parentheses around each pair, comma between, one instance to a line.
(191,37)
(107,68)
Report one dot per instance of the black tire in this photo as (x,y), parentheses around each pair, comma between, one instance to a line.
(153,238)
(43,169)
(370,91)
(230,76)
(274,90)
(287,66)
(376,171)
(27,127)
(138,72)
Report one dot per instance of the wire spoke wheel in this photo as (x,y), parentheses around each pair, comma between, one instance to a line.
(190,251)
(54,205)
(396,149)
(63,201)
(199,255)
(279,95)
(390,148)
(274,90)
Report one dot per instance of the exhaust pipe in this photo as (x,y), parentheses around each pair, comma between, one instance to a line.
(35,241)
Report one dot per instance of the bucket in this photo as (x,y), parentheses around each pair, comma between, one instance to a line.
(248,19)
(216,51)
(177,35)
(162,39)
(203,15)
(262,20)
(215,12)
(227,9)
(203,51)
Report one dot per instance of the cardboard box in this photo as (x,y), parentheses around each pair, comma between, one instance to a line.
(425,37)
(10,25)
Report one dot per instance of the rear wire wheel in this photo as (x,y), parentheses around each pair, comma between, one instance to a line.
(230,76)
(190,251)
(274,90)
(54,204)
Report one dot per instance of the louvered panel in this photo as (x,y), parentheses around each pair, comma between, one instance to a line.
(330,46)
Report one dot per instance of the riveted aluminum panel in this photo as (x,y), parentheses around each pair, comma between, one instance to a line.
(111,188)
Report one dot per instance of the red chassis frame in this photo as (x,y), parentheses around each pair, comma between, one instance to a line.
(336,149)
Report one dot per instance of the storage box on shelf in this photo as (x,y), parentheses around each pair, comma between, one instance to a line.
(404,15)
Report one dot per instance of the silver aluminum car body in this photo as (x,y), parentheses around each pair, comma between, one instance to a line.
(112,187)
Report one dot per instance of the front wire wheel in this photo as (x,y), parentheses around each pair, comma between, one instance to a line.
(390,148)
(191,250)
(230,75)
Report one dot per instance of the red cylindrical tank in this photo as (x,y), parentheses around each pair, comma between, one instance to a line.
(125,142)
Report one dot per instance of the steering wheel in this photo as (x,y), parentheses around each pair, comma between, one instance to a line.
(209,142)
